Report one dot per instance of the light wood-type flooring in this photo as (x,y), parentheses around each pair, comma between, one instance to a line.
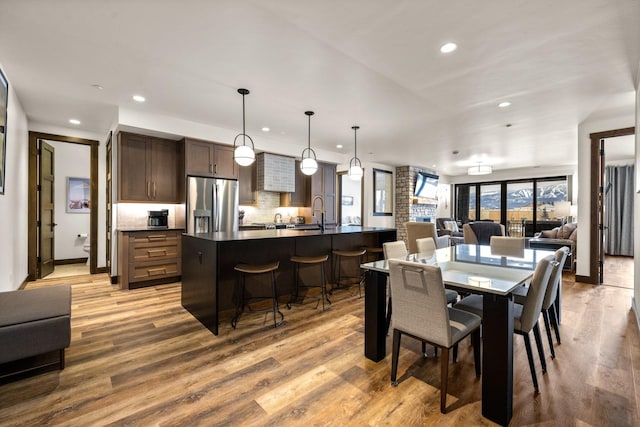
(138,358)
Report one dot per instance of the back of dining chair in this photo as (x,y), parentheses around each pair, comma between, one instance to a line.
(470,236)
(426,246)
(419,230)
(419,302)
(507,246)
(397,249)
(555,279)
(533,304)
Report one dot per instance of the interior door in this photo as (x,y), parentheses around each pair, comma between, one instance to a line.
(46,212)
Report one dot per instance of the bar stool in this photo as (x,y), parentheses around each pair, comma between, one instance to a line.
(355,255)
(309,261)
(374,253)
(242,300)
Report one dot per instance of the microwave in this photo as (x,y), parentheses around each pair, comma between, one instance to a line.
(158,219)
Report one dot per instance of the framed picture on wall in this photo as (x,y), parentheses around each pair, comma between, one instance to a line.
(382,192)
(4,100)
(78,195)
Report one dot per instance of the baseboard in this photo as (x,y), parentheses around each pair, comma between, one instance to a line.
(70,261)
(635,311)
(24,283)
(586,279)
(102,270)
(114,280)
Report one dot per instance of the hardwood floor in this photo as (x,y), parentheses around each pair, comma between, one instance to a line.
(138,358)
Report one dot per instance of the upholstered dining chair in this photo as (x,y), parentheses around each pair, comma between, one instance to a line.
(418,230)
(426,246)
(393,250)
(525,317)
(507,246)
(421,309)
(549,313)
(480,232)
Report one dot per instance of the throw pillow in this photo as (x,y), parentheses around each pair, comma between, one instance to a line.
(549,234)
(451,226)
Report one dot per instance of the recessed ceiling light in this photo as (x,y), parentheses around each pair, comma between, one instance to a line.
(433,166)
(74,121)
(504,104)
(339,146)
(448,47)
(96,86)
(139,98)
(265,129)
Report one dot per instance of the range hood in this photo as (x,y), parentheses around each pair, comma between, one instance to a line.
(276,173)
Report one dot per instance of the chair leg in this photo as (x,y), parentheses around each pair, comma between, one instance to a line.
(532,368)
(538,338)
(388,315)
(545,316)
(276,309)
(455,352)
(554,321)
(444,373)
(395,353)
(475,340)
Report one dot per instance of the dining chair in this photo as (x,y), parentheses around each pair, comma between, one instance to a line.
(421,309)
(393,250)
(525,317)
(418,230)
(426,247)
(480,232)
(507,246)
(549,313)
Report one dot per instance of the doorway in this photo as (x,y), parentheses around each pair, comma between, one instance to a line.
(42,200)
(350,206)
(596,217)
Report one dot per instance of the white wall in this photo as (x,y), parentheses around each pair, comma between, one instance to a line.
(71,160)
(636,208)
(13,204)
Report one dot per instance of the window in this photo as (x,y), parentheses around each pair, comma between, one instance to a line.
(490,202)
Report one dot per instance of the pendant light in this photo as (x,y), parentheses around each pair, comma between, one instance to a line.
(309,165)
(355,165)
(243,154)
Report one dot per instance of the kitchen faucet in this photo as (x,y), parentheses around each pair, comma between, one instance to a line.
(277,218)
(321,210)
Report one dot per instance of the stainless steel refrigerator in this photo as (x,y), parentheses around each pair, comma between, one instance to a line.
(212,205)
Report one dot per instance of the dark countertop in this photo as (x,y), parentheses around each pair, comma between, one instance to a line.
(128,230)
(284,233)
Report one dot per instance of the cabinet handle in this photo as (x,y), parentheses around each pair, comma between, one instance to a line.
(154,189)
(210,168)
(215,169)
(156,271)
(148,190)
(157,237)
(156,252)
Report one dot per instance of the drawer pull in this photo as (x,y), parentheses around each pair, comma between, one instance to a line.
(157,237)
(157,271)
(156,252)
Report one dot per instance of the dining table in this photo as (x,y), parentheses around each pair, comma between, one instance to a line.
(469,269)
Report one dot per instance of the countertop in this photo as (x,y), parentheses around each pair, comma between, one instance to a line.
(284,233)
(131,229)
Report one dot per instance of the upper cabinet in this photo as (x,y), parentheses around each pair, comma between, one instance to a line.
(148,169)
(247,185)
(301,197)
(323,183)
(204,158)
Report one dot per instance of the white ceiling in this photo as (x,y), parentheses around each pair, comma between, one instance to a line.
(375,63)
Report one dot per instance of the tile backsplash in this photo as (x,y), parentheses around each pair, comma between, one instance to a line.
(268,205)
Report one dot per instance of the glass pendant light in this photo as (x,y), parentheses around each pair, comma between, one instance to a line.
(243,154)
(355,165)
(309,165)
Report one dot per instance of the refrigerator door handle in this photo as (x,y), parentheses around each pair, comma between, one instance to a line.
(216,208)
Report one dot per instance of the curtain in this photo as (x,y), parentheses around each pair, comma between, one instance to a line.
(618,210)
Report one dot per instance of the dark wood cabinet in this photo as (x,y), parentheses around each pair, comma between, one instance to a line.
(204,158)
(323,183)
(247,185)
(148,169)
(302,196)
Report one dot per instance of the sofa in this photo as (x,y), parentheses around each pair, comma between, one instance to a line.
(565,235)
(448,227)
(34,322)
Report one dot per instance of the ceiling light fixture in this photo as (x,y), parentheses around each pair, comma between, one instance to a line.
(74,121)
(309,165)
(480,169)
(504,104)
(243,154)
(355,165)
(139,98)
(448,47)
(339,146)
(265,129)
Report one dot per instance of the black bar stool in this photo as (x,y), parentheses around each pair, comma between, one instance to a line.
(243,300)
(309,261)
(354,256)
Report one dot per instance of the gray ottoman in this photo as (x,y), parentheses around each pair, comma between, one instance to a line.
(34,322)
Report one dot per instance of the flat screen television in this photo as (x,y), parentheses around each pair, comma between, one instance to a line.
(426,186)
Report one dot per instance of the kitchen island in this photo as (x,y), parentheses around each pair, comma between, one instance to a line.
(208,277)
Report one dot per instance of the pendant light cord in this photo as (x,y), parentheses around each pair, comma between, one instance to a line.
(244,132)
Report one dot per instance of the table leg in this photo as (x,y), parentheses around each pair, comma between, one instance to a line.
(497,358)
(374,315)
